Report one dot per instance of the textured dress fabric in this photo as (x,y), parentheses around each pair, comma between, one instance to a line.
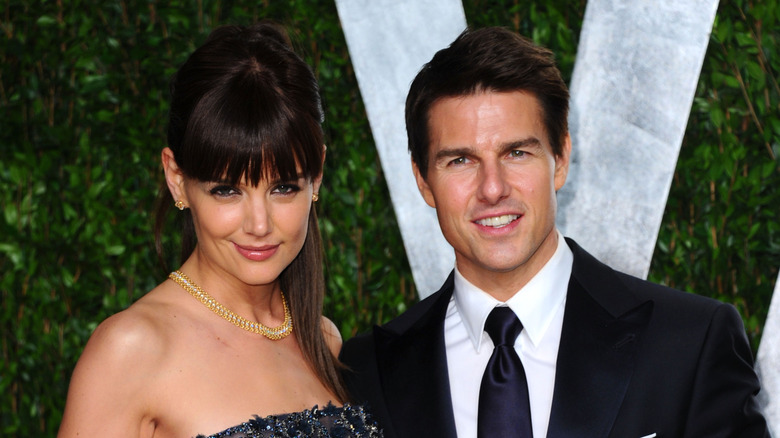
(331,421)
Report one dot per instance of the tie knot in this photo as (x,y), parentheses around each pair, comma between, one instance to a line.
(503,326)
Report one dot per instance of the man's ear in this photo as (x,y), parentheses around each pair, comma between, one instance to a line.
(562,163)
(422,185)
(174,177)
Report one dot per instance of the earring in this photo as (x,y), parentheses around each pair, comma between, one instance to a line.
(315,197)
(179,204)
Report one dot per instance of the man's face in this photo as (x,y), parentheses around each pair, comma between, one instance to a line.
(492,179)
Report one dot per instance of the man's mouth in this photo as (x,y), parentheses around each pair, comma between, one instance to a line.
(498,221)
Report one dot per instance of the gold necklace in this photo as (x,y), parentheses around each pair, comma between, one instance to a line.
(272,333)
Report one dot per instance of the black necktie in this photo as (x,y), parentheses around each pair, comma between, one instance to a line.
(504,409)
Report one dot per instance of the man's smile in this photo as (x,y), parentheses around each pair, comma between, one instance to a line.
(498,221)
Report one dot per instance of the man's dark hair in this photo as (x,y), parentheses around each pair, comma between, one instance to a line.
(489,59)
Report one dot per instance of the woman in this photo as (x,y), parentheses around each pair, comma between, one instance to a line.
(210,348)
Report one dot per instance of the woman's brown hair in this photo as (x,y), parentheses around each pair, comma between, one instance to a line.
(244,106)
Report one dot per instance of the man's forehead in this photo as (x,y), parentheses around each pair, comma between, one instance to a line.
(498,118)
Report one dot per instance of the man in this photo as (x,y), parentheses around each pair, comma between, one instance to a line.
(601,353)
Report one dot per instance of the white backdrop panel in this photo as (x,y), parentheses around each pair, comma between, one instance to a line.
(637,67)
(389,41)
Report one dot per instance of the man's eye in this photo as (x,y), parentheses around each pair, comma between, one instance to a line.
(459,160)
(223,191)
(517,153)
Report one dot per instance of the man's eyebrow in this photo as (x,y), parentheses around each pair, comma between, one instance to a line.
(454,152)
(531,142)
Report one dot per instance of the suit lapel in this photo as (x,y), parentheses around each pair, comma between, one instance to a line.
(601,326)
(412,364)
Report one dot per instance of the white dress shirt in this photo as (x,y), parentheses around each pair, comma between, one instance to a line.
(539,305)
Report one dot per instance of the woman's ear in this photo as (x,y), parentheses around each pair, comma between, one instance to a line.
(317,182)
(174,177)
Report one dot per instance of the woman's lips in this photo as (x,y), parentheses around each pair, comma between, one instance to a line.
(257,254)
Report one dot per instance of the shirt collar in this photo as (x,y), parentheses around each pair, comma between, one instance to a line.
(534,304)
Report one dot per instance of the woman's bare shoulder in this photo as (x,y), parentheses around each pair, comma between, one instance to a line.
(138,332)
(332,335)
(109,386)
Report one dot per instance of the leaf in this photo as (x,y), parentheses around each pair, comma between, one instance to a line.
(11,214)
(13,252)
(716,116)
(731,81)
(756,72)
(115,250)
(46,20)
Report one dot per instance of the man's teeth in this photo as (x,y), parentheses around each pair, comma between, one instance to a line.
(498,221)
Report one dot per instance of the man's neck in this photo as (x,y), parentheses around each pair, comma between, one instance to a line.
(504,285)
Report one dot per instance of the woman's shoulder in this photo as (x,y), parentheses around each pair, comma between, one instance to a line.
(332,335)
(113,384)
(130,339)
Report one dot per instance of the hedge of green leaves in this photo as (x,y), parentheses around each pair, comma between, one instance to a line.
(721,230)
(83,92)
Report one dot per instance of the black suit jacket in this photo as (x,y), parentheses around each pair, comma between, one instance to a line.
(635,359)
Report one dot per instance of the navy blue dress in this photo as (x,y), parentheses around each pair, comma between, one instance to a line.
(329,422)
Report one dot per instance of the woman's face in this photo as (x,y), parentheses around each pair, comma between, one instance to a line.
(250,232)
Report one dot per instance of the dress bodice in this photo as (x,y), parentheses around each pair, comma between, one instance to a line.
(329,422)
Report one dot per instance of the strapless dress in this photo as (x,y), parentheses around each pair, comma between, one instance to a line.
(329,422)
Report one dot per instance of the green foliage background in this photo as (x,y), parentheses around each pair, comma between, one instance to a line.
(83,92)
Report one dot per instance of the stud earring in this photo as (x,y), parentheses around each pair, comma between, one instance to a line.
(179,204)
(315,197)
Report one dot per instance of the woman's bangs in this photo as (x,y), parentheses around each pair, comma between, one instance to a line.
(243,141)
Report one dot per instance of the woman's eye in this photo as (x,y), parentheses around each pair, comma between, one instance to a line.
(223,191)
(286,189)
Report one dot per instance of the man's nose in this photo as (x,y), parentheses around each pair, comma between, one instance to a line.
(493,184)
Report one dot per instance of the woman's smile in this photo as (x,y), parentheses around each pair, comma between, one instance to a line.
(257,254)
